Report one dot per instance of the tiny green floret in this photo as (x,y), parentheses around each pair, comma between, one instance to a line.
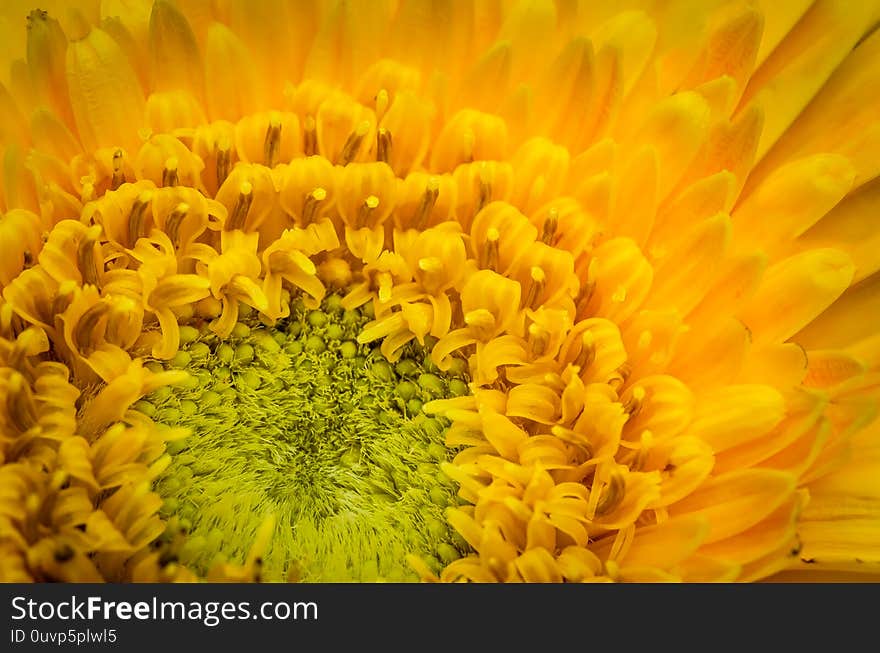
(299,421)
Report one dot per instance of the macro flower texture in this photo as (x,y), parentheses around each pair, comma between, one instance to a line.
(447,290)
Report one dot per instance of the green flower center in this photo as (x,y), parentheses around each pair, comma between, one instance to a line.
(301,422)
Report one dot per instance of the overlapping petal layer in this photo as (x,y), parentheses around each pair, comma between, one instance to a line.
(647,232)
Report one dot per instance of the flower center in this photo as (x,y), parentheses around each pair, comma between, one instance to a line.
(301,423)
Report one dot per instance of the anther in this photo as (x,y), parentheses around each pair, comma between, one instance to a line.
(19,403)
(481,320)
(551,223)
(311,203)
(383,145)
(587,354)
(17,358)
(85,329)
(633,405)
(536,287)
(644,449)
(612,495)
(136,217)
(490,250)
(86,261)
(485,188)
(370,204)
(585,293)
(63,298)
(310,136)
(173,222)
(272,142)
(539,339)
(430,264)
(224,160)
(620,377)
(118,177)
(382,102)
(429,199)
(118,318)
(353,144)
(63,553)
(87,193)
(242,206)
(169,174)
(468,141)
(36,15)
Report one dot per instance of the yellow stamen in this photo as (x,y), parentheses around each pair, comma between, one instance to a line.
(136,217)
(118,177)
(224,160)
(536,287)
(481,321)
(353,144)
(312,203)
(63,298)
(645,442)
(485,188)
(468,141)
(173,221)
(633,406)
(551,224)
(239,214)
(539,339)
(429,199)
(383,145)
(370,204)
(612,495)
(84,333)
(587,354)
(272,142)
(489,258)
(620,377)
(169,174)
(86,260)
(310,136)
(19,403)
(382,102)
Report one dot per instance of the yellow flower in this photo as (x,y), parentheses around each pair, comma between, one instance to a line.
(471,291)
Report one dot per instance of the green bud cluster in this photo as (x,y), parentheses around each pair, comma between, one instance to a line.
(301,421)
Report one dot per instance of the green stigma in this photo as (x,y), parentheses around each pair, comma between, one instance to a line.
(301,422)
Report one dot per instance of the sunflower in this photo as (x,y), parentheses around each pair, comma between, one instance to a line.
(482,291)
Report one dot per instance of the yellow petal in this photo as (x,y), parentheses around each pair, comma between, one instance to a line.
(803,61)
(666,544)
(795,291)
(107,100)
(179,289)
(622,277)
(231,89)
(174,55)
(687,271)
(839,120)
(850,228)
(736,501)
(485,84)
(801,422)
(792,199)
(779,529)
(731,415)
(676,129)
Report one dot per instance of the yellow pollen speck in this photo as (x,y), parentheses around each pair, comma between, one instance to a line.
(430,264)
